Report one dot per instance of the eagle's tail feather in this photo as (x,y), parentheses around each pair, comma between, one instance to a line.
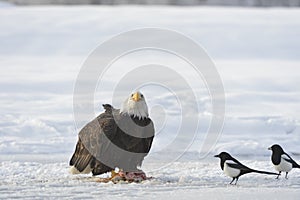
(81,159)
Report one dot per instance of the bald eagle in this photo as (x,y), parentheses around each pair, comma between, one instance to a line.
(116,138)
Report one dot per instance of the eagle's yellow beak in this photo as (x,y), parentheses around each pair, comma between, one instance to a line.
(136,96)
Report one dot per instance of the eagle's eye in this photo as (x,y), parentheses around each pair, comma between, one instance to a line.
(131,95)
(142,96)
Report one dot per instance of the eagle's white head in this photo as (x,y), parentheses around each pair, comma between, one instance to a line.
(135,106)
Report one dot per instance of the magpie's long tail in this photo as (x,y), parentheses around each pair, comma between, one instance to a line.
(264,172)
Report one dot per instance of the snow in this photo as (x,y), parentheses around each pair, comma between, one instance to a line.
(256,52)
(182,180)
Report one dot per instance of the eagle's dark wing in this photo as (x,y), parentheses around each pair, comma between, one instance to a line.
(81,157)
(148,133)
(91,142)
(140,136)
(134,140)
(103,145)
(148,141)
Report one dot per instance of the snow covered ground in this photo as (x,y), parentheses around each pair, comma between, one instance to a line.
(256,52)
(181,180)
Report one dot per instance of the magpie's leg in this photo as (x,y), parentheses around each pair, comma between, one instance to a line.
(232,181)
(278,175)
(286,173)
(237,178)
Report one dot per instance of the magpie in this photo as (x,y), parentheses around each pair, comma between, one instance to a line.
(282,161)
(234,169)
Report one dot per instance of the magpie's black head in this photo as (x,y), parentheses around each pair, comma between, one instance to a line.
(276,148)
(224,156)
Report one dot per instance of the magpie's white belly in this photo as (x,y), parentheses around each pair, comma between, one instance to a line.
(231,172)
(284,166)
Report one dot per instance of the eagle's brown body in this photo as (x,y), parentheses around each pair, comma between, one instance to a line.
(102,145)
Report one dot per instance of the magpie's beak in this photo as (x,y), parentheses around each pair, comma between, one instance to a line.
(217,156)
(270,148)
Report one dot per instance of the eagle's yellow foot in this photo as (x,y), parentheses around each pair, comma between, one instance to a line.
(116,176)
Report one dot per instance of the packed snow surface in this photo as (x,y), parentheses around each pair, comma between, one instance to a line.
(181,180)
